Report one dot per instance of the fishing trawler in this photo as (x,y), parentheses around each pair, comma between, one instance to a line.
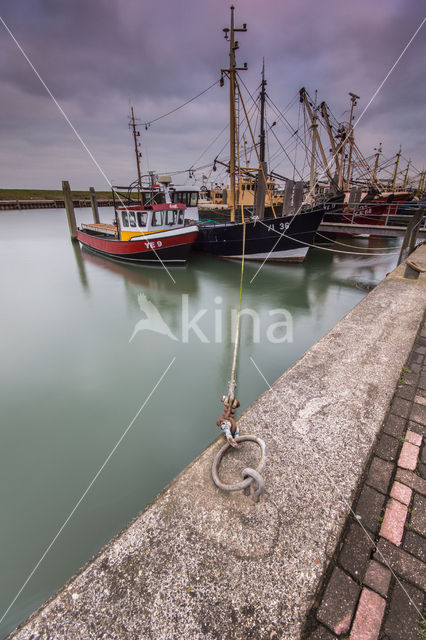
(367,200)
(262,232)
(154,233)
(148,227)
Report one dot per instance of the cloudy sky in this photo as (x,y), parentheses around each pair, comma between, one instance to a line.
(98,57)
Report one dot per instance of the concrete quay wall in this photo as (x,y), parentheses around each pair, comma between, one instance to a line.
(198,563)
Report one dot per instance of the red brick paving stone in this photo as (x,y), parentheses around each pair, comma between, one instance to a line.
(408,456)
(379,474)
(369,616)
(418,413)
(339,602)
(411,480)
(378,577)
(417,428)
(369,507)
(356,551)
(387,447)
(394,425)
(321,633)
(415,544)
(403,620)
(414,438)
(402,563)
(401,492)
(393,523)
(420,398)
(401,407)
(418,516)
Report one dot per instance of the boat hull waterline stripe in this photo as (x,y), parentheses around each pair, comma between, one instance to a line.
(167,248)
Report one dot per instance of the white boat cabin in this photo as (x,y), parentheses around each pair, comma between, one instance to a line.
(136,220)
(188,196)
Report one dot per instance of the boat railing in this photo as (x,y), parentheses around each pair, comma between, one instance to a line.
(383,214)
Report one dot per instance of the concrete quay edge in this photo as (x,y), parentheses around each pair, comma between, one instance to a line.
(198,563)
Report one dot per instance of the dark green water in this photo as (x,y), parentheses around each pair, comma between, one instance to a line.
(71,382)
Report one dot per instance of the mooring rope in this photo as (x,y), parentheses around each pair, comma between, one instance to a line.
(315,246)
(252,480)
(351,246)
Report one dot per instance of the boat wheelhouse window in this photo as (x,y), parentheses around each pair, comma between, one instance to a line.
(132,218)
(125,219)
(180,217)
(157,219)
(142,216)
(171,217)
(188,198)
(150,197)
(176,196)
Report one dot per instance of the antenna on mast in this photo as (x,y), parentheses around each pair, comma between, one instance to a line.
(231,72)
(136,135)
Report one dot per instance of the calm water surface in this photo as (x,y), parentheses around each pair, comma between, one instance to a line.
(72,382)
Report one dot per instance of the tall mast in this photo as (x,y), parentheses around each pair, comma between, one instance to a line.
(262,115)
(341,150)
(314,135)
(324,112)
(421,185)
(136,134)
(233,46)
(404,185)
(395,173)
(354,99)
(376,164)
(304,98)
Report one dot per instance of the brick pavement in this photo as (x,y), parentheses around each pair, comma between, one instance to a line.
(374,589)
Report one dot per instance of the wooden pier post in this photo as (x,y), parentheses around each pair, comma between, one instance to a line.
(69,209)
(94,204)
(410,238)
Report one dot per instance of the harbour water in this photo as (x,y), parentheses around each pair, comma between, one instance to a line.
(80,361)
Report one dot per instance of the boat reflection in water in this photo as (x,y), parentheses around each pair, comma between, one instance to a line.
(206,289)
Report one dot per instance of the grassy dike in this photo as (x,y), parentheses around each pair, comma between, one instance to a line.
(46,194)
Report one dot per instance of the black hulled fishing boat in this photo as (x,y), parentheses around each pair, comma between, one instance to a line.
(284,238)
(273,236)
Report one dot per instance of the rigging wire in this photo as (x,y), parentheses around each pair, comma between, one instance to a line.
(211,143)
(314,246)
(288,124)
(150,122)
(289,127)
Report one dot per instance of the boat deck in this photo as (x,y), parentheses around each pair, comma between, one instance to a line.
(99,227)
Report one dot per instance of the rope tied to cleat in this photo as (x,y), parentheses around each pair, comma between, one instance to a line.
(252,478)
